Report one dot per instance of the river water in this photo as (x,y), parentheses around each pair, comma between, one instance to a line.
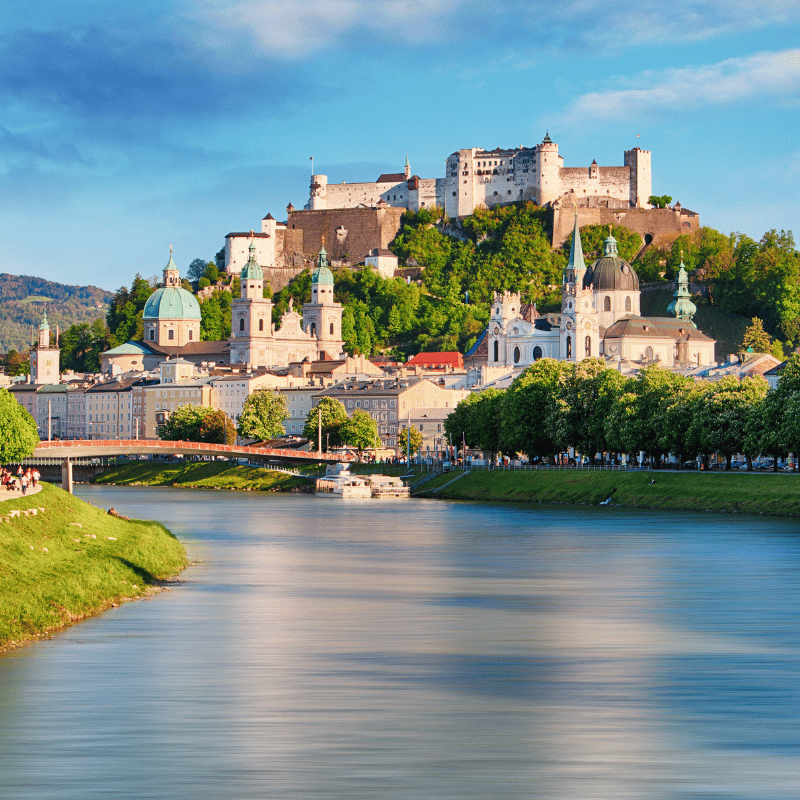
(423,649)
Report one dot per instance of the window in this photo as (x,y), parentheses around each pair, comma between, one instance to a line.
(588,344)
(496,350)
(261,324)
(171,334)
(331,329)
(606,303)
(241,324)
(627,304)
(191,334)
(152,335)
(516,355)
(569,347)
(537,353)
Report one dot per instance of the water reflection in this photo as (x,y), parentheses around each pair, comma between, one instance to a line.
(423,649)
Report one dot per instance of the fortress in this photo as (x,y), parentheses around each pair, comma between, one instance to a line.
(354,218)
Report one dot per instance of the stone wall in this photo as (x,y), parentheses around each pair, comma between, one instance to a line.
(350,233)
(647,222)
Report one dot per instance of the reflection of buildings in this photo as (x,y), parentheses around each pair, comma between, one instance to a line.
(599,318)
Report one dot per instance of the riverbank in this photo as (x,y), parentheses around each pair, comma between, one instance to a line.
(746,493)
(203,475)
(63,560)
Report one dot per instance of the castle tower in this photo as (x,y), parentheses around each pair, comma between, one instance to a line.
(318,193)
(579,336)
(641,184)
(45,366)
(322,317)
(407,170)
(549,182)
(251,317)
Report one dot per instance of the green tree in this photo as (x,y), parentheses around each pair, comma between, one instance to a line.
(756,339)
(263,415)
(416,440)
(184,424)
(18,435)
(660,201)
(526,406)
(722,414)
(196,269)
(211,272)
(217,428)
(361,432)
(334,416)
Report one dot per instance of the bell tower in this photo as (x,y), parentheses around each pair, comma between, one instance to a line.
(579,335)
(45,366)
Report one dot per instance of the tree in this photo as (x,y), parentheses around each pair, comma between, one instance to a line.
(263,415)
(334,416)
(211,272)
(660,201)
(723,412)
(196,269)
(18,435)
(416,440)
(756,339)
(217,428)
(198,424)
(361,432)
(526,406)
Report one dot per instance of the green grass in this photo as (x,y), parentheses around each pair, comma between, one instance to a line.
(202,475)
(691,491)
(37,298)
(54,573)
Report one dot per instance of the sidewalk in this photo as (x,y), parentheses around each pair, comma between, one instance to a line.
(17,493)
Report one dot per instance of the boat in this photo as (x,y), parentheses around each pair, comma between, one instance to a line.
(339,482)
(387,486)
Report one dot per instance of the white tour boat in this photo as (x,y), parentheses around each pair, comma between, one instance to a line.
(340,483)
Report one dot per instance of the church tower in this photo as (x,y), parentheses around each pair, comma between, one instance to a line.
(322,317)
(682,306)
(251,317)
(45,367)
(580,333)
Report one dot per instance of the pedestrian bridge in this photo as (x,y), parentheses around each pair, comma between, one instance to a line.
(69,451)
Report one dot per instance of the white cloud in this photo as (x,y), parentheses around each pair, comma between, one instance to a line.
(297,28)
(687,88)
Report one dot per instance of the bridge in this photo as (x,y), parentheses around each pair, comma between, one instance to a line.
(71,450)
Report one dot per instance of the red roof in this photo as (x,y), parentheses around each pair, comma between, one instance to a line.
(451,359)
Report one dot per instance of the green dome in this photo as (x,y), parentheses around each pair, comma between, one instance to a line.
(172,302)
(322,275)
(252,272)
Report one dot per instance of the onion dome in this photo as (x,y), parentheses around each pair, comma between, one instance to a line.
(612,273)
(44,325)
(251,271)
(322,274)
(682,306)
(171,301)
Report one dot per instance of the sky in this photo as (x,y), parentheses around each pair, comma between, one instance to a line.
(129,128)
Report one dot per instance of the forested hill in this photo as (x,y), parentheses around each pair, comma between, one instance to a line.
(23,299)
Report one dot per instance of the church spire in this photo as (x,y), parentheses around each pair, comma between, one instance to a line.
(407,170)
(576,261)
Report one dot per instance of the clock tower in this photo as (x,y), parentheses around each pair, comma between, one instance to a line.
(45,367)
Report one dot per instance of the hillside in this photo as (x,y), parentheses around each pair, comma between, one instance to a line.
(23,299)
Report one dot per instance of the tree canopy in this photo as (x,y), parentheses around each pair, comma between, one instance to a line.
(333,415)
(198,424)
(263,415)
(18,435)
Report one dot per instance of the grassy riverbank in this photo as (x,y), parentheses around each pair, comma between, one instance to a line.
(202,475)
(710,491)
(70,560)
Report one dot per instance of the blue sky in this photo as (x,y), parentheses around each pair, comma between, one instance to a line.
(127,128)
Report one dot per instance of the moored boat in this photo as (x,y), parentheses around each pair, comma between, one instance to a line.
(339,482)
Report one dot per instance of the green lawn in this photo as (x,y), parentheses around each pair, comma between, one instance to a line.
(202,475)
(72,561)
(733,492)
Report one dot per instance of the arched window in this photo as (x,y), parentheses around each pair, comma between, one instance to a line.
(588,343)
(516,355)
(241,324)
(537,353)
(648,353)
(496,350)
(261,324)
(606,303)
(569,347)
(331,329)
(152,334)
(627,304)
(313,330)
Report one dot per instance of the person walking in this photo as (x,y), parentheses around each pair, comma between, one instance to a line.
(23,482)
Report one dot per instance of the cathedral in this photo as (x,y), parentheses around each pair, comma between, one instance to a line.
(172,317)
(600,317)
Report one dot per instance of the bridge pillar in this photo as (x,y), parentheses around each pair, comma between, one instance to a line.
(66,475)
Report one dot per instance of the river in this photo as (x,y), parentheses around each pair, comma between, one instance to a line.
(423,649)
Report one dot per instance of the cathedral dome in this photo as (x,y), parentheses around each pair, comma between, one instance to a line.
(251,271)
(612,273)
(322,274)
(172,302)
